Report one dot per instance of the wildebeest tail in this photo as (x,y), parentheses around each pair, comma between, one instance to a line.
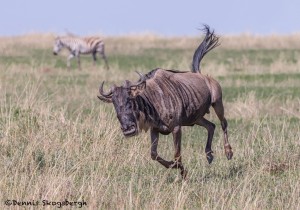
(210,42)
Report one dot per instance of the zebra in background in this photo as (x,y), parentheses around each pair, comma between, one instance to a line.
(77,46)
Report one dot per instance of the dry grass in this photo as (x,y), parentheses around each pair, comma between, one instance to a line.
(134,42)
(59,142)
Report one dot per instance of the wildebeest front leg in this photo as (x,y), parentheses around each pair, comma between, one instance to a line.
(155,156)
(177,144)
(210,127)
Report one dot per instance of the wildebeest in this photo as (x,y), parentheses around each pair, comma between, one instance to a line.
(165,100)
(80,45)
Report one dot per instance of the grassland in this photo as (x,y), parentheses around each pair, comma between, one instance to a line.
(58,141)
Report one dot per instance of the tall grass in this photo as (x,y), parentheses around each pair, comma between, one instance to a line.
(58,141)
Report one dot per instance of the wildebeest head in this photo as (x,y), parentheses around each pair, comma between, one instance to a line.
(123,99)
(57,46)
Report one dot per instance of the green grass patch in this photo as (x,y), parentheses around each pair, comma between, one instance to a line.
(234,93)
(261,78)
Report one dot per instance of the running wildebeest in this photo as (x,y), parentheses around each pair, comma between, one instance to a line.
(165,100)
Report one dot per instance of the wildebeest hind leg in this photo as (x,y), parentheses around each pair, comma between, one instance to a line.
(210,127)
(219,109)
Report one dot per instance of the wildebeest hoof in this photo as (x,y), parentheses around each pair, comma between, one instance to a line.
(228,152)
(184,174)
(229,155)
(209,157)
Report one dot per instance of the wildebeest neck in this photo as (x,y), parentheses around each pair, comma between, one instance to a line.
(147,115)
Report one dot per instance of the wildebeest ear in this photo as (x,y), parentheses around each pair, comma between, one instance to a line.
(137,89)
(104,99)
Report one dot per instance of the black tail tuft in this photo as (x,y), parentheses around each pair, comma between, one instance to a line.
(210,42)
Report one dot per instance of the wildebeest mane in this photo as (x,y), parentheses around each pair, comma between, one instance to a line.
(151,74)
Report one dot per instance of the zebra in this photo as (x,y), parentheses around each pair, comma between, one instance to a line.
(78,45)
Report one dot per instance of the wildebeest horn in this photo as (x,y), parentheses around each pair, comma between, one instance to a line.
(107,95)
(141,80)
(142,76)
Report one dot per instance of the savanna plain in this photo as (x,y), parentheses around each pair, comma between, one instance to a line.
(58,141)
